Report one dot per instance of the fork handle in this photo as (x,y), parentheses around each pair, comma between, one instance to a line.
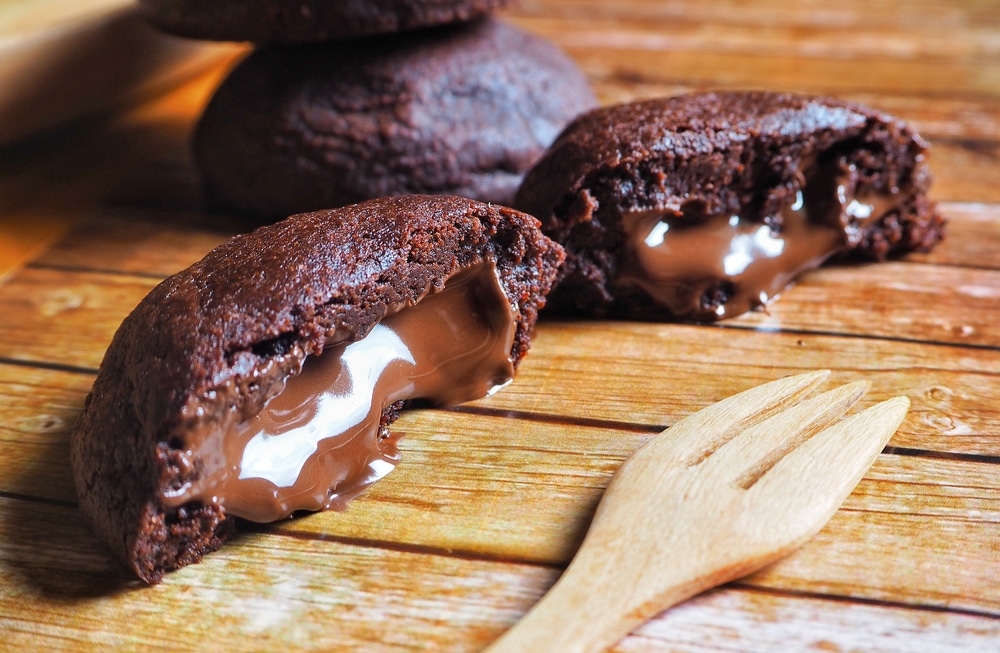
(588,610)
(565,620)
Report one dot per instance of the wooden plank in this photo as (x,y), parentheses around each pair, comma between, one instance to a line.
(39,408)
(886,558)
(851,37)
(784,71)
(159,172)
(65,318)
(933,489)
(59,593)
(730,620)
(901,19)
(144,241)
(474,454)
(22,240)
(80,311)
(964,156)
(134,241)
(965,170)
(927,303)
(658,371)
(465,479)
(973,237)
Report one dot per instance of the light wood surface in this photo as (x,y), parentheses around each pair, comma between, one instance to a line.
(492,498)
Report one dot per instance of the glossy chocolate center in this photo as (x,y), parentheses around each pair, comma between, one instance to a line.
(317,444)
(729,264)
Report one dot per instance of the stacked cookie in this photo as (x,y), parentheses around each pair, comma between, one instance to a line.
(346,101)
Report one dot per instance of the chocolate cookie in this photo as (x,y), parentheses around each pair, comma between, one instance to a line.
(304,21)
(463,110)
(708,205)
(214,401)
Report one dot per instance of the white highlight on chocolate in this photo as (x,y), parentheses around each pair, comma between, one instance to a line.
(800,202)
(745,248)
(859,210)
(656,234)
(280,458)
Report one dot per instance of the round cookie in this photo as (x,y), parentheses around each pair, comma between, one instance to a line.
(211,347)
(707,205)
(461,110)
(303,21)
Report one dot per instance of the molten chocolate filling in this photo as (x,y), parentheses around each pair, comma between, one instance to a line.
(730,264)
(317,444)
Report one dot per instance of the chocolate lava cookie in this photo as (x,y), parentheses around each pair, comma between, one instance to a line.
(705,206)
(463,110)
(306,20)
(262,380)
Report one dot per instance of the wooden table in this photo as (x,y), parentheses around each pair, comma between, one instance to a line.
(492,498)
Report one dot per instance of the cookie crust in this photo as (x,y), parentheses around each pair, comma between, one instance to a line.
(189,355)
(710,154)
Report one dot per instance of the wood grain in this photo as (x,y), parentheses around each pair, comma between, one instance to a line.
(731,619)
(315,594)
(933,304)
(471,503)
(492,498)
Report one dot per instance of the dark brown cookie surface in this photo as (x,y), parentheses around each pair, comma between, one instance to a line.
(210,347)
(461,111)
(306,20)
(707,205)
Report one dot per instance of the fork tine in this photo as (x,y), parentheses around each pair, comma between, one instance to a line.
(698,435)
(764,444)
(813,480)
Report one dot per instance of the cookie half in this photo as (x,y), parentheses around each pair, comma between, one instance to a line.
(304,21)
(708,205)
(463,110)
(262,380)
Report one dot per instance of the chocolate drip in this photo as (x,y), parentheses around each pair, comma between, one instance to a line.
(320,441)
(729,264)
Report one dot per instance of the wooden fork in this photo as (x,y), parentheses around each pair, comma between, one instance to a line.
(719,495)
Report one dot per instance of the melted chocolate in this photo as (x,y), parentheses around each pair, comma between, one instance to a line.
(732,263)
(317,443)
